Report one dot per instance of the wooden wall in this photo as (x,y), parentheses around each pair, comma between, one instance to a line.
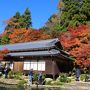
(18,66)
(51,67)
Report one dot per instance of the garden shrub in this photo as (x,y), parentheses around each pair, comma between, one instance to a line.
(18,75)
(63,78)
(11,74)
(43,76)
(89,68)
(35,77)
(58,83)
(22,82)
(15,75)
(87,78)
(82,77)
(68,80)
(48,81)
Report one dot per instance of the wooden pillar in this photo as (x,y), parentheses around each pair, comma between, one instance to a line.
(37,66)
(53,69)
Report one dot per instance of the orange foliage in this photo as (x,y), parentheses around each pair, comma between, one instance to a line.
(3,53)
(23,35)
(77,42)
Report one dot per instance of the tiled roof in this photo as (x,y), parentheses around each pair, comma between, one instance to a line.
(35,53)
(30,45)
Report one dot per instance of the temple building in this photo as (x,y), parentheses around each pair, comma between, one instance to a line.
(46,56)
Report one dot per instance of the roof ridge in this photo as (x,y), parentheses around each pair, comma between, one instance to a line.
(31,42)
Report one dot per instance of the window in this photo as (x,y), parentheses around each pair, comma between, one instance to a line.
(40,65)
(26,65)
(33,65)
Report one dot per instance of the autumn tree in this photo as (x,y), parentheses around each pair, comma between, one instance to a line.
(77,42)
(24,35)
(3,53)
(13,22)
(50,26)
(19,21)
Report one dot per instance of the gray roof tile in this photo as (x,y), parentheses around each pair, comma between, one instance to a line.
(35,53)
(30,45)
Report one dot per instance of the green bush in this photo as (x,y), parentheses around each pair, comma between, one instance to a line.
(43,76)
(11,74)
(68,80)
(89,68)
(22,82)
(48,82)
(63,78)
(35,77)
(18,73)
(58,83)
(82,77)
(15,75)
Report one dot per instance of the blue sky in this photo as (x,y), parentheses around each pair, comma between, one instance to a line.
(41,10)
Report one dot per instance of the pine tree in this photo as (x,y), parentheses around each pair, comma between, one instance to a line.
(13,22)
(27,18)
(17,16)
(20,21)
(85,9)
(73,13)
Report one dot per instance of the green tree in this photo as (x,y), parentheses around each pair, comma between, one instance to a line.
(4,39)
(50,25)
(0,40)
(74,13)
(85,9)
(17,16)
(13,22)
(20,21)
(71,13)
(26,17)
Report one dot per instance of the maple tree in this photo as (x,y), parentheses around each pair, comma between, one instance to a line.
(3,53)
(24,35)
(77,42)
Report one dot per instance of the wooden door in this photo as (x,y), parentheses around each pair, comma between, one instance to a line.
(18,66)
